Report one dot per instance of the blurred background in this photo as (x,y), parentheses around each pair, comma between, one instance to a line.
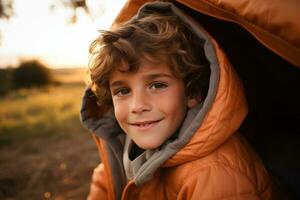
(45,153)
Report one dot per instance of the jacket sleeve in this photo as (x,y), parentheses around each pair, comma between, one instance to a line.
(98,186)
(218,182)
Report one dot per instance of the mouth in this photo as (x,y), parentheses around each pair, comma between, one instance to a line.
(145,124)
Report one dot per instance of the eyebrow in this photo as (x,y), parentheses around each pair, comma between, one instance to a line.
(117,83)
(158,75)
(148,77)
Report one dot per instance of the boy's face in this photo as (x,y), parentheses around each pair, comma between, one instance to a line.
(149,104)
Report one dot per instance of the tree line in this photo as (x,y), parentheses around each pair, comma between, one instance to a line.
(27,75)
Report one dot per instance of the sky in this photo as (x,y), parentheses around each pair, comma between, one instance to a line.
(38,32)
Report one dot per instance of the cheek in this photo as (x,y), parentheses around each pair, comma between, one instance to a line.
(173,104)
(120,111)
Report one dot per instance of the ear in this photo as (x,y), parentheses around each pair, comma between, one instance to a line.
(192,102)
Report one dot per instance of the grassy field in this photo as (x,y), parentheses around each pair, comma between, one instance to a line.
(45,153)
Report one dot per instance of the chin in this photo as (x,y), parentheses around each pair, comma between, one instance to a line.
(148,145)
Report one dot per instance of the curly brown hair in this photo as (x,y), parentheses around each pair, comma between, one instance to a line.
(163,37)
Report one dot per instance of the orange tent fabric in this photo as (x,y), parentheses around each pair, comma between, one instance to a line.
(274,23)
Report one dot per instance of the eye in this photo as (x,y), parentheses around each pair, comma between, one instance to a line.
(121,92)
(158,85)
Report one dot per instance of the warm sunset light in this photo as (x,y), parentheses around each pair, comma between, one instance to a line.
(39,31)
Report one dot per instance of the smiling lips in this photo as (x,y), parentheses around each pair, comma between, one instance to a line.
(145,124)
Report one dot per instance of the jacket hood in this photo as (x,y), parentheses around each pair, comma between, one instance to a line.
(205,127)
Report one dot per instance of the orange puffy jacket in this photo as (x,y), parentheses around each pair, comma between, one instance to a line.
(209,160)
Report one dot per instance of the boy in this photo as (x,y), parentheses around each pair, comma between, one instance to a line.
(164,105)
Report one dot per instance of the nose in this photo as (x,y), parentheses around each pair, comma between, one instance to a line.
(140,103)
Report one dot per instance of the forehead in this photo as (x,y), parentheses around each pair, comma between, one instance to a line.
(146,69)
